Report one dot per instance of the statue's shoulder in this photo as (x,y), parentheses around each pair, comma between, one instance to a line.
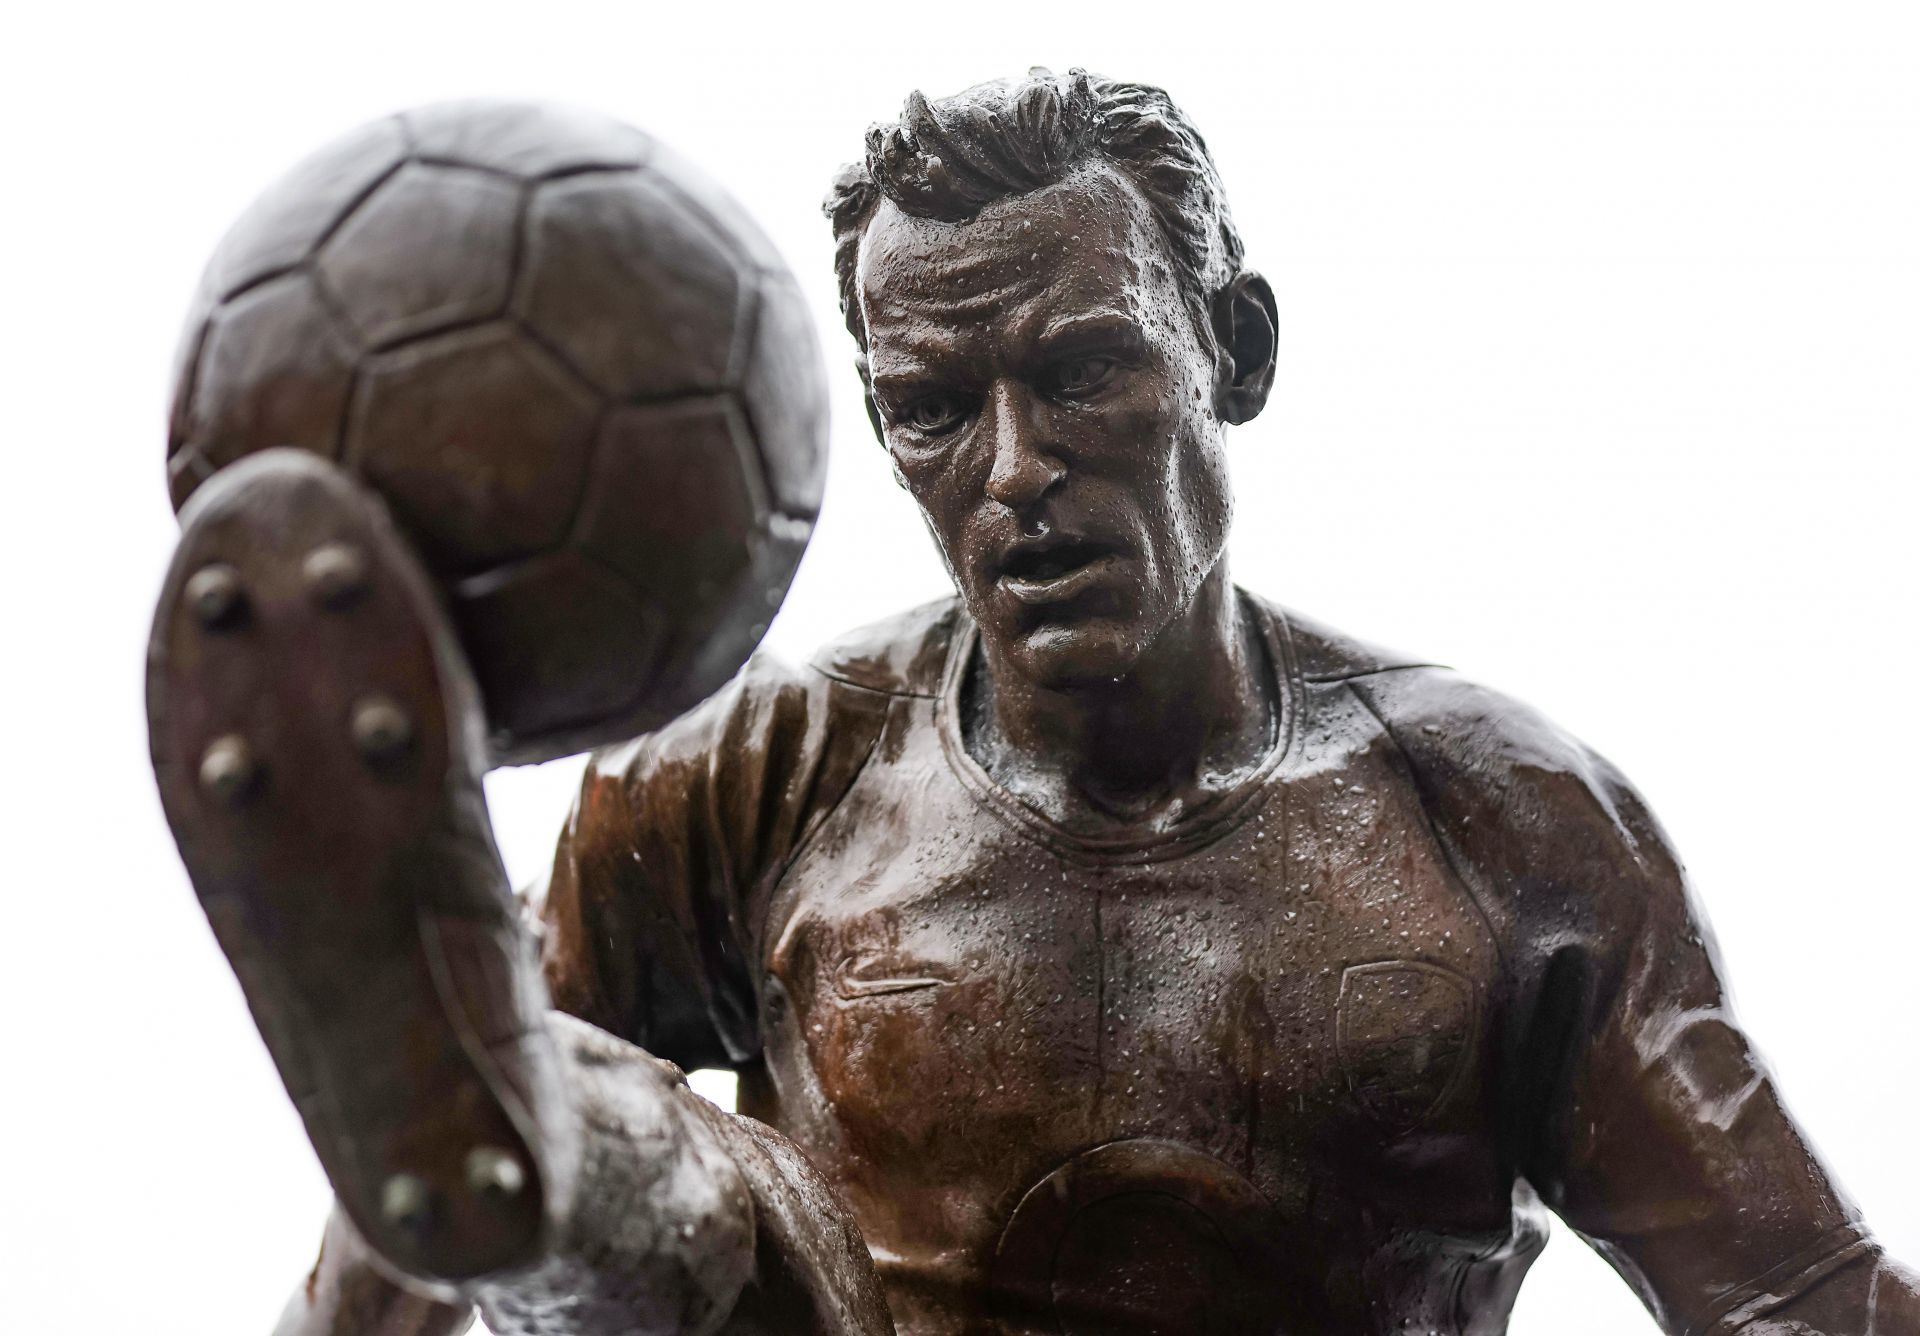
(1319,653)
(806,715)
(1468,744)
(902,655)
(1509,789)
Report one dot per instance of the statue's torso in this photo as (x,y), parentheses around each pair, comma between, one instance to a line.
(1238,1077)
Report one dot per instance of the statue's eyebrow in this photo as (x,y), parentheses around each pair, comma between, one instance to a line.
(916,357)
(898,369)
(1106,328)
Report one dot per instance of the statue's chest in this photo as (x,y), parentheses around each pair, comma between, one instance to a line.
(957,1008)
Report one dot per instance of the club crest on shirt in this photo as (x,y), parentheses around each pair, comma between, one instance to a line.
(1405,1030)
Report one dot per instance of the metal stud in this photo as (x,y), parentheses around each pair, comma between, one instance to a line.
(492,1172)
(406,1203)
(215,594)
(381,729)
(227,769)
(336,574)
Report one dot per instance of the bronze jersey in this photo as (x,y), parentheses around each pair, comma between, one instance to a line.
(1310,1061)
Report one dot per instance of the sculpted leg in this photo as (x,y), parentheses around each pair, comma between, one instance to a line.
(346,1294)
(687,1220)
(315,734)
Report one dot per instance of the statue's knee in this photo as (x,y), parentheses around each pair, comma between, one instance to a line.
(660,1236)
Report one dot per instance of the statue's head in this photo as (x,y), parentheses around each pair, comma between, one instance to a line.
(1055,323)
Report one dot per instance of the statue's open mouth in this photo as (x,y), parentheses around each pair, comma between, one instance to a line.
(1053,570)
(1055,555)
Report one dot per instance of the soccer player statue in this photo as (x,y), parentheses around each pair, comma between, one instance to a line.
(1105,949)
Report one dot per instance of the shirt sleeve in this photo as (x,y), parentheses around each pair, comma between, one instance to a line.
(650,919)
(1666,1143)
(1634,1102)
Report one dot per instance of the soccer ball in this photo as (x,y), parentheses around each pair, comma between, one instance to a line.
(581,378)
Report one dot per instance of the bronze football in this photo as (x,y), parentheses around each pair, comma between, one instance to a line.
(583,380)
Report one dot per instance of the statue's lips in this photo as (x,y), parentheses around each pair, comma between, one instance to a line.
(1058,572)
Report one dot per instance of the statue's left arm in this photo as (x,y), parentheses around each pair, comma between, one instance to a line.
(1632,1100)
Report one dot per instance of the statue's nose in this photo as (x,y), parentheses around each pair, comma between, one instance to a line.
(1025,464)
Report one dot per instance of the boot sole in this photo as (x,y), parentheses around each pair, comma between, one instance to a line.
(318,742)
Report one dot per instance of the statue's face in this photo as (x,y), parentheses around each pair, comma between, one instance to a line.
(1049,402)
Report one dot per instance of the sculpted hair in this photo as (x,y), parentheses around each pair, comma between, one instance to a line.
(950,159)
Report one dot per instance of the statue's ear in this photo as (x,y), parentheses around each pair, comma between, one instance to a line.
(1245,329)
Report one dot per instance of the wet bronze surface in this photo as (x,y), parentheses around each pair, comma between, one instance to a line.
(1106,949)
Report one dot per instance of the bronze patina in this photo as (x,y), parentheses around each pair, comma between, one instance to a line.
(1104,949)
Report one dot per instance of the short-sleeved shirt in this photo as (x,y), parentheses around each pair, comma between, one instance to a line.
(1312,1060)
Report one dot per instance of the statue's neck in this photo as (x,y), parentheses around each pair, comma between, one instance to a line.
(1192,717)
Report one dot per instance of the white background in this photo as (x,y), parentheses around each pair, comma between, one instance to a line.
(1599,332)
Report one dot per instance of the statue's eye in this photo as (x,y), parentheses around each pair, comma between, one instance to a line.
(1077,375)
(935,413)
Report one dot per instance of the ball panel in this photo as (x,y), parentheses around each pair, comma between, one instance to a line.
(559,646)
(672,501)
(479,438)
(274,370)
(283,226)
(525,139)
(430,248)
(721,213)
(708,646)
(630,286)
(784,389)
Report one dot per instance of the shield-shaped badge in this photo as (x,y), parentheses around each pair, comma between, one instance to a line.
(1406,1031)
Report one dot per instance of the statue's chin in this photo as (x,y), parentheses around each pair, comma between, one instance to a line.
(1075,656)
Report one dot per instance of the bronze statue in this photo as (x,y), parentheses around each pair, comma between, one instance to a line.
(1106,949)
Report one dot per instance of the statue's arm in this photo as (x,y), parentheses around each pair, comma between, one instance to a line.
(1633,1101)
(1666,1141)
